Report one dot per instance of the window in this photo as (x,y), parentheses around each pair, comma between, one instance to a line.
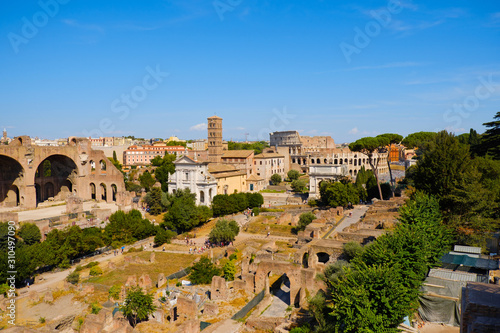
(186,176)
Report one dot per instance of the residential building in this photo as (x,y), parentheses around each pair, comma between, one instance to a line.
(193,175)
(229,179)
(240,159)
(143,155)
(267,164)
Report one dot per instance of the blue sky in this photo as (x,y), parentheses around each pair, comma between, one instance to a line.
(160,68)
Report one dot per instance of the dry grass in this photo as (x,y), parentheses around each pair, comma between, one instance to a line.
(261,227)
(166,263)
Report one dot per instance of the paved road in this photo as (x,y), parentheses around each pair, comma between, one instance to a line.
(357,212)
(281,301)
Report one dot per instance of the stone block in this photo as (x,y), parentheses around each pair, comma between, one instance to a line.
(218,290)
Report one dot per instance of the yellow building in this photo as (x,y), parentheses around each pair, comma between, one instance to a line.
(229,179)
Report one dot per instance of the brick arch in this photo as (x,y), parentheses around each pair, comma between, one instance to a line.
(292,272)
(11,181)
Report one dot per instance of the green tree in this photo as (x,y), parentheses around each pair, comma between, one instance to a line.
(418,140)
(138,305)
(229,270)
(491,138)
(203,271)
(30,233)
(164,236)
(275,179)
(305,219)
(224,231)
(338,194)
(164,168)
(114,156)
(293,174)
(183,214)
(351,250)
(299,185)
(370,299)
(154,200)
(146,180)
(371,146)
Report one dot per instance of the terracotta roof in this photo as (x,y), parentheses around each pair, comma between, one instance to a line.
(220,167)
(228,174)
(254,178)
(268,155)
(237,153)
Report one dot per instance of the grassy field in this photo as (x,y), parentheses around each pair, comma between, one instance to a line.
(260,225)
(166,263)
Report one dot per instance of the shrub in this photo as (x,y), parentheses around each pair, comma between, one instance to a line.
(293,175)
(164,236)
(233,256)
(41,320)
(352,250)
(91,264)
(299,185)
(95,308)
(73,278)
(224,231)
(203,271)
(78,268)
(114,292)
(229,270)
(95,271)
(275,179)
(256,211)
(312,203)
(305,219)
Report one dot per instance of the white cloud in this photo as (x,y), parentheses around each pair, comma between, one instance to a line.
(354,131)
(240,128)
(199,127)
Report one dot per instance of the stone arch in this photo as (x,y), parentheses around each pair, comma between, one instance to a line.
(114,191)
(318,161)
(312,160)
(93,192)
(11,177)
(355,172)
(202,197)
(210,195)
(323,257)
(350,172)
(335,161)
(56,177)
(355,162)
(305,260)
(325,161)
(104,193)
(92,166)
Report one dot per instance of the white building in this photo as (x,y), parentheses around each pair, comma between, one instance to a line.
(319,173)
(194,176)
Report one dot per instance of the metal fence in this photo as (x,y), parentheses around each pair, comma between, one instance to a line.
(249,306)
(180,274)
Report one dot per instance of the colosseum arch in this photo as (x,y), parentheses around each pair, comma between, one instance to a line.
(55,177)
(11,178)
